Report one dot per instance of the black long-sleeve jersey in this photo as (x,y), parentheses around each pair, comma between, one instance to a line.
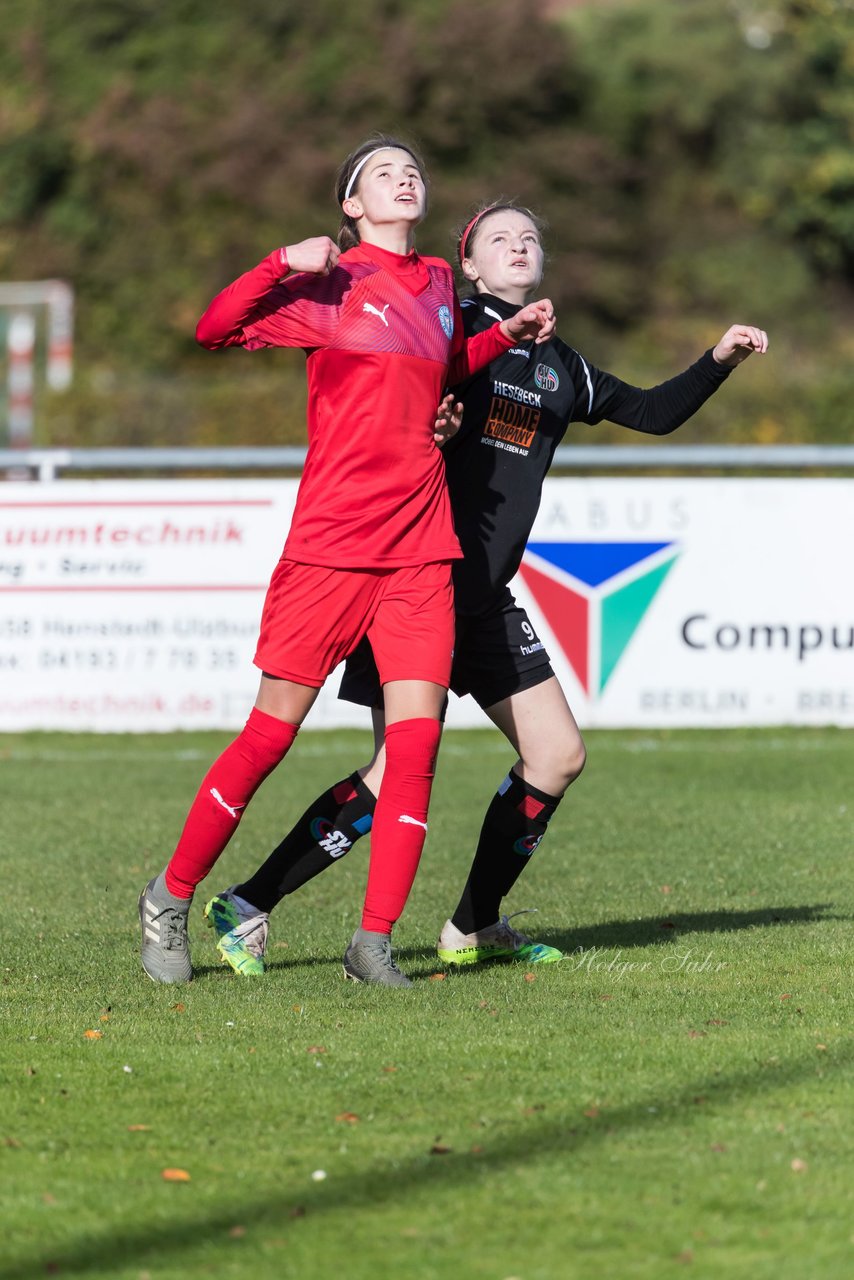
(517,411)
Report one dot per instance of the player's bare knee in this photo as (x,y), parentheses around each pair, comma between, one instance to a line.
(568,761)
(575,760)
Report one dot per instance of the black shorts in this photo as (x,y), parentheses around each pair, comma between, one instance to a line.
(496,654)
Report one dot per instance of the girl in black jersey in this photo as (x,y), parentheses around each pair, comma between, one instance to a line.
(527,398)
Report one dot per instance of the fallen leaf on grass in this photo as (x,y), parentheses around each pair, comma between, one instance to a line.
(389,1069)
(48,1198)
(139,1128)
(105,1017)
(716,1022)
(606,997)
(592,1113)
(785,997)
(237,1233)
(477,1150)
(438,977)
(798,1166)
(315,1048)
(92,1035)
(665,888)
(347,1117)
(438,1150)
(530,977)
(718,1146)
(175,1175)
(695,1035)
(11,1142)
(179,1007)
(821,1046)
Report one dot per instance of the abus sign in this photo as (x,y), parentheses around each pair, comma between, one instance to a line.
(695,601)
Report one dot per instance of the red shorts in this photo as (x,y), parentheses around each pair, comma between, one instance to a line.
(314,617)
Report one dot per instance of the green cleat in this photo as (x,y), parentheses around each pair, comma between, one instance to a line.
(241,933)
(499,941)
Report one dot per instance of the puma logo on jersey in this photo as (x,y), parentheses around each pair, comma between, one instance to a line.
(404,817)
(372,310)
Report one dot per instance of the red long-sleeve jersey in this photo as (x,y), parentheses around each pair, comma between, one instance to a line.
(383,335)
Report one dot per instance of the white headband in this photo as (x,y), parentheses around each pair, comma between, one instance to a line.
(364,160)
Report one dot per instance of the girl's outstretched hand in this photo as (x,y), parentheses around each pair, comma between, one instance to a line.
(319,255)
(535,321)
(739,342)
(449,419)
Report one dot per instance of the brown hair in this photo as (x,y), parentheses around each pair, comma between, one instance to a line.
(470,229)
(348,232)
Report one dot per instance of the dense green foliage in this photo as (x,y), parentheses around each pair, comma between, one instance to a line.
(695,159)
(668,1100)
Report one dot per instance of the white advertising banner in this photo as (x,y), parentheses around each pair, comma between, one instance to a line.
(134,605)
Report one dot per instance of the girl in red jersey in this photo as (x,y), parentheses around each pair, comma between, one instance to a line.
(371,542)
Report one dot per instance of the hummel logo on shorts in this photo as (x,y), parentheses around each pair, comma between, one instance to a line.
(371,309)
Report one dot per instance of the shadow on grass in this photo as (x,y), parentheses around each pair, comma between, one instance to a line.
(151,1246)
(667,927)
(620,934)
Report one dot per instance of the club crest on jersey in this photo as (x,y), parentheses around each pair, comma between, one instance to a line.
(446,320)
(546,378)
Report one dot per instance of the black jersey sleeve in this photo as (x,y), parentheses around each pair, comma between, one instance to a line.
(657,410)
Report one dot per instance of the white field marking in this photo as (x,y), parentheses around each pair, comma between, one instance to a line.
(404,817)
(235,813)
(606,740)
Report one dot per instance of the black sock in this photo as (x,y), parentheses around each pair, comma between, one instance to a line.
(514,825)
(326,831)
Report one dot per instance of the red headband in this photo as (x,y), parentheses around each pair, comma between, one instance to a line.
(490,208)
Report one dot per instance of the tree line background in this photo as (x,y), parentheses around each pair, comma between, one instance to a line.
(694,160)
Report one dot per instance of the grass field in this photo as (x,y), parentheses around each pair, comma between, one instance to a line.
(672,1099)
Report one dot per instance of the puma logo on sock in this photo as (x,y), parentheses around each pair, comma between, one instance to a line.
(404,817)
(235,812)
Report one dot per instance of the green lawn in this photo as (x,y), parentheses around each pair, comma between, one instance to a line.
(673,1099)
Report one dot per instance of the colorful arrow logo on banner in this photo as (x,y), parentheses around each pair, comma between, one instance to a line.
(593,596)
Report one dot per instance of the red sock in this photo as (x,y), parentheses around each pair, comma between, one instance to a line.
(400,819)
(229,785)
